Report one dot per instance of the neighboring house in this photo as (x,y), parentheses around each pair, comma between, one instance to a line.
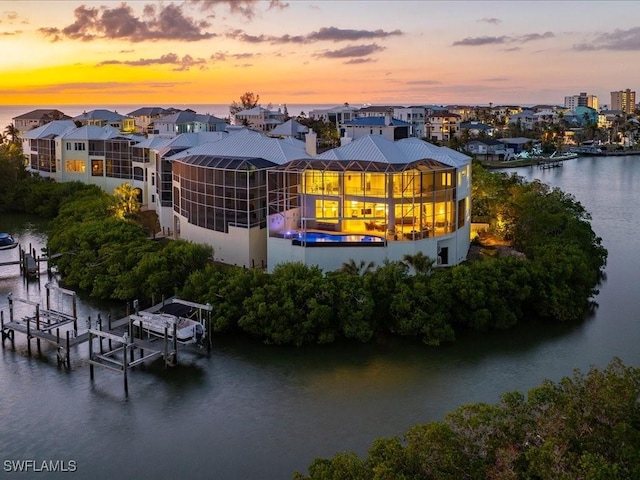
(37,118)
(388,127)
(145,116)
(107,118)
(259,118)
(220,193)
(526,119)
(90,154)
(375,111)
(465,112)
(414,116)
(476,128)
(39,147)
(371,200)
(520,144)
(336,115)
(290,128)
(442,126)
(187,121)
(487,149)
(586,115)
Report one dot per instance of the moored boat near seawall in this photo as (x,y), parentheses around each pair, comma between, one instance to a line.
(7,241)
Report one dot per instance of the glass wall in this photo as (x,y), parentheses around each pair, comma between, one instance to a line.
(216,199)
(402,205)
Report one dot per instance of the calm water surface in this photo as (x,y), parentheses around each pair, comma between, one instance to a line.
(257,412)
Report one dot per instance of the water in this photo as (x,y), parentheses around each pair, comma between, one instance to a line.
(258,412)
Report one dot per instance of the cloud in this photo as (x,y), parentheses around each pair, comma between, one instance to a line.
(503,39)
(495,79)
(355,61)
(165,22)
(491,21)
(476,41)
(337,35)
(351,51)
(325,34)
(617,40)
(224,56)
(532,37)
(82,87)
(181,64)
(245,8)
(10,34)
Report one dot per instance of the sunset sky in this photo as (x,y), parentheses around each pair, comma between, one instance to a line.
(322,51)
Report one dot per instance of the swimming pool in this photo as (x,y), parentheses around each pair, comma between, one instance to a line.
(317,237)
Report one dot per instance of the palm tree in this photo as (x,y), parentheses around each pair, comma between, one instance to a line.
(362,268)
(421,264)
(11,133)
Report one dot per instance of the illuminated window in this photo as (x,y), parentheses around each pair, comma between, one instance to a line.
(75,166)
(97,168)
(446,179)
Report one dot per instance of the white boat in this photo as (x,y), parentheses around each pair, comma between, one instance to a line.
(187,330)
(7,241)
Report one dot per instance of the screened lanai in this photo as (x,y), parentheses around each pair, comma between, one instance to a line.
(216,192)
(398,202)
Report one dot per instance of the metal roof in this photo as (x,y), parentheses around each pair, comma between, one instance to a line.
(375,148)
(100,114)
(226,163)
(250,144)
(57,128)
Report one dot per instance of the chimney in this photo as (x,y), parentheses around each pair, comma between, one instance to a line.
(387,119)
(310,142)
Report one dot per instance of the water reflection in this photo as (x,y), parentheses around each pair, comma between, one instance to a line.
(254,411)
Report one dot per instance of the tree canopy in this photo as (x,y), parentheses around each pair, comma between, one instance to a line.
(583,427)
(248,100)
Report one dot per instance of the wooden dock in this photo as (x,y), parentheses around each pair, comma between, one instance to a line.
(113,346)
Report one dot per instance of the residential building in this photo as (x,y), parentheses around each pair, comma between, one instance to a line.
(107,118)
(220,193)
(583,100)
(336,115)
(187,121)
(290,128)
(624,100)
(526,119)
(145,116)
(388,127)
(90,154)
(242,192)
(520,144)
(36,118)
(476,128)
(259,118)
(39,147)
(442,126)
(152,156)
(467,112)
(376,111)
(415,117)
(487,149)
(370,200)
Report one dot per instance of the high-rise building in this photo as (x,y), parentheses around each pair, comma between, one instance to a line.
(624,100)
(582,100)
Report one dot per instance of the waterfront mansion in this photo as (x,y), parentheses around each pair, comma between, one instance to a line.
(260,201)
